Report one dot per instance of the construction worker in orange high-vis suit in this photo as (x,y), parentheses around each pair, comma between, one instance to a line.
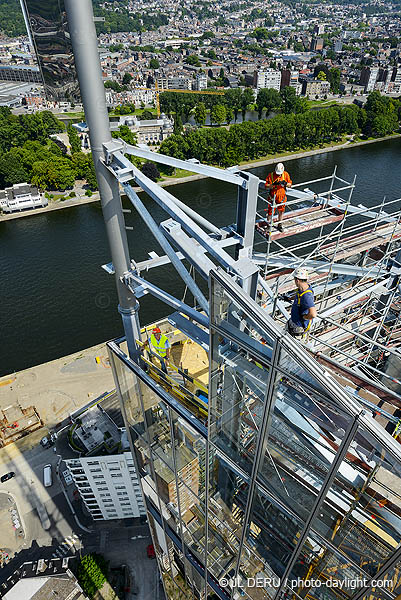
(277,183)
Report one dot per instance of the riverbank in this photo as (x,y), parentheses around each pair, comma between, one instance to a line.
(170,181)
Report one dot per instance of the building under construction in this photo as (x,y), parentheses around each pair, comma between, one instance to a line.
(270,467)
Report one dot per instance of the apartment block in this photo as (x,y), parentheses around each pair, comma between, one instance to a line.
(269,78)
(108,485)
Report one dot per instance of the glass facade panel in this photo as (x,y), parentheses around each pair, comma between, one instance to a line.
(324,574)
(271,537)
(240,499)
(305,433)
(362,511)
(237,393)
(130,392)
(392,582)
(228,496)
(49,31)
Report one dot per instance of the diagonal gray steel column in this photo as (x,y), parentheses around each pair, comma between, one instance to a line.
(84,42)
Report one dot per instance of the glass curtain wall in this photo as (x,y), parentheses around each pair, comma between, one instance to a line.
(49,32)
(291,491)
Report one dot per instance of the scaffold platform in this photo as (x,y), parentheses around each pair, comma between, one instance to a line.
(299,221)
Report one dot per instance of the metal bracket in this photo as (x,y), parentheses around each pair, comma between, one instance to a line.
(109,148)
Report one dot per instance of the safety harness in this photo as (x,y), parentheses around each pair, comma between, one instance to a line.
(300,316)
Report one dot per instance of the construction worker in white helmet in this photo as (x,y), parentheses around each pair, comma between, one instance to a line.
(303,309)
(277,183)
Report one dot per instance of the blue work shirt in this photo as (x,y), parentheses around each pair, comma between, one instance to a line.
(303,301)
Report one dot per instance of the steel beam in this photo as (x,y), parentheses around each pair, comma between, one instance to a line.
(190,249)
(315,265)
(126,171)
(339,307)
(246,213)
(177,264)
(84,42)
(188,165)
(131,281)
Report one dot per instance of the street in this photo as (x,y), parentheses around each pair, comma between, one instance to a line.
(121,545)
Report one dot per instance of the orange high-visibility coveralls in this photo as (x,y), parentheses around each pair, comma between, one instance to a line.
(277,191)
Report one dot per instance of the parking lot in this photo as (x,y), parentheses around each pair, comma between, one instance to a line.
(11,532)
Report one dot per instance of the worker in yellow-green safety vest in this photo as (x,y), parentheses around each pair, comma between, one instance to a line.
(160,346)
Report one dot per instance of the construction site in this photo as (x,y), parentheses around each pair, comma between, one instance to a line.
(221,374)
(262,456)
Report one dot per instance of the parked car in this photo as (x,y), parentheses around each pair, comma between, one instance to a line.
(47,475)
(7,476)
(150,551)
(46,442)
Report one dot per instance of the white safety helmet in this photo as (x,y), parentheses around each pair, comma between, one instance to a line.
(279,168)
(301,273)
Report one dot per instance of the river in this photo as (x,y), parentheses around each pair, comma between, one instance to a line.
(56,299)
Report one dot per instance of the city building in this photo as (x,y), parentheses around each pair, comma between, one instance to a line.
(174,83)
(21,196)
(316,44)
(268,78)
(200,82)
(368,78)
(108,485)
(43,580)
(21,73)
(393,85)
(315,88)
(290,78)
(318,29)
(152,131)
(337,46)
(104,472)
(48,30)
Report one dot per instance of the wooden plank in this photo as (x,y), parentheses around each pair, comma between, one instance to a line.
(300,221)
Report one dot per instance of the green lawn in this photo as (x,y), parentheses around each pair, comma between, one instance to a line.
(70,115)
(315,103)
(137,112)
(179,173)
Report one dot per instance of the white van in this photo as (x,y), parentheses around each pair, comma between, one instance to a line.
(47,476)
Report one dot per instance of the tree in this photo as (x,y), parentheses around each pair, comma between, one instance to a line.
(90,174)
(54,174)
(150,170)
(321,76)
(260,33)
(269,99)
(11,169)
(334,79)
(154,63)
(229,114)
(74,139)
(193,59)
(246,99)
(291,102)
(232,98)
(113,85)
(200,113)
(127,78)
(116,48)
(178,126)
(125,133)
(91,573)
(147,115)
(218,114)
